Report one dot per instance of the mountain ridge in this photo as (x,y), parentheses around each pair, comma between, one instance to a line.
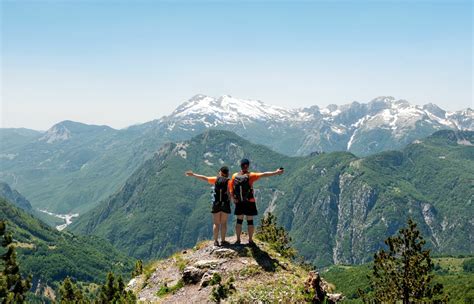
(356,127)
(331,109)
(344,204)
(73,166)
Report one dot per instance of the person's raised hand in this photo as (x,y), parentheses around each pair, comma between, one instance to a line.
(189,173)
(280,171)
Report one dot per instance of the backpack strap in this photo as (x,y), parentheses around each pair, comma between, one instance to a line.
(221,194)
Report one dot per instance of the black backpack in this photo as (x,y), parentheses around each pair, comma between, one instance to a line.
(243,192)
(221,194)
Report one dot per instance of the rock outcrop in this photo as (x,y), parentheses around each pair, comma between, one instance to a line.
(235,273)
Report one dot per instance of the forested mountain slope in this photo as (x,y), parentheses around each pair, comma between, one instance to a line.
(339,208)
(50,255)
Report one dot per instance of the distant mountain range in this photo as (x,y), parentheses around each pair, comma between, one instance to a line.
(383,123)
(73,166)
(338,207)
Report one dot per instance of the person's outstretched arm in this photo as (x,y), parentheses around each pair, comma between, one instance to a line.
(272,173)
(198,176)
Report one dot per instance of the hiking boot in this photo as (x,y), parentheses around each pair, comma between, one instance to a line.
(216,243)
(237,242)
(252,244)
(225,243)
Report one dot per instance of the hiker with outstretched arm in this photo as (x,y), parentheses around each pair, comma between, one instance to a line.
(221,202)
(244,199)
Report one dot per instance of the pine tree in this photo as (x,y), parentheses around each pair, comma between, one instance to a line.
(113,291)
(276,236)
(107,292)
(404,272)
(138,268)
(120,288)
(69,293)
(12,287)
(122,295)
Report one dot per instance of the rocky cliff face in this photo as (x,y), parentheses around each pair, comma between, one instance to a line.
(352,212)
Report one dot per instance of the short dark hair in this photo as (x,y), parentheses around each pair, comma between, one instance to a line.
(224,170)
(244,162)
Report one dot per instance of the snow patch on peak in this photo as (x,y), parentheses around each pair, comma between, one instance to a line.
(338,130)
(399,114)
(229,109)
(463,119)
(330,111)
(434,109)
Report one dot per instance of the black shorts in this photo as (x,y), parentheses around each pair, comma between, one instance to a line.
(246,208)
(221,207)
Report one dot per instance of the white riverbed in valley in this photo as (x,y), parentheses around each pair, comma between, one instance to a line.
(66,217)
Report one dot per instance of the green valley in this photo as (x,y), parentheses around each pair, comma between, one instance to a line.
(50,255)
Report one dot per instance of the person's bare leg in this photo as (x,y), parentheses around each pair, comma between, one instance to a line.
(215,226)
(223,225)
(250,228)
(238,227)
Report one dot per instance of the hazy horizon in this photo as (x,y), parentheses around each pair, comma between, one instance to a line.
(120,63)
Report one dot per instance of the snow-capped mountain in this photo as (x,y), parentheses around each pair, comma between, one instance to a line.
(227,109)
(363,128)
(78,156)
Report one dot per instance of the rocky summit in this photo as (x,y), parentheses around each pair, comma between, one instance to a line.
(232,273)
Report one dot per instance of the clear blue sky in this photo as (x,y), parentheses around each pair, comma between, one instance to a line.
(124,62)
